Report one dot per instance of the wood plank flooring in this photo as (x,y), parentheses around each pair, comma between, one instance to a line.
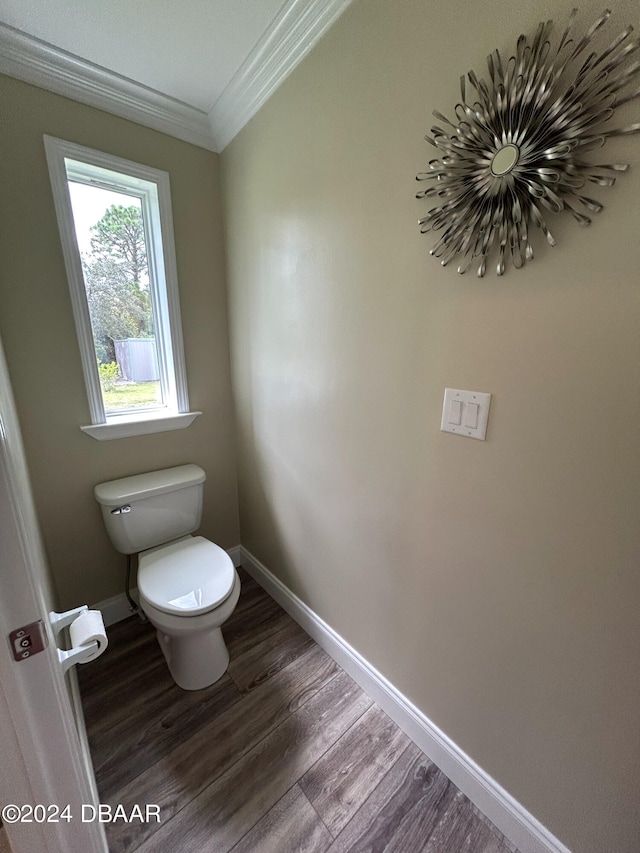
(284,754)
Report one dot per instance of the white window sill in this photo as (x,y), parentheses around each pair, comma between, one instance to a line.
(140,424)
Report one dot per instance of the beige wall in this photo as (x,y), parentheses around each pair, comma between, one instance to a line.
(496,584)
(37,328)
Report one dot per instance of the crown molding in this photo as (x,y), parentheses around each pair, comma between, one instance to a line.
(292,34)
(56,70)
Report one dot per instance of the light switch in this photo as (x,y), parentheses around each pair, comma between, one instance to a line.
(465,413)
(455,412)
(471,415)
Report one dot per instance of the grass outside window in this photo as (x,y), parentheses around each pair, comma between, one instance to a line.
(131,395)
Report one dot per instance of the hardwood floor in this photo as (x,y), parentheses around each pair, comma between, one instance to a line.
(285,754)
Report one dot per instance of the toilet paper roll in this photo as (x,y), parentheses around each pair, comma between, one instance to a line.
(89,628)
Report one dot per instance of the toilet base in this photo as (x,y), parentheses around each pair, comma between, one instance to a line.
(197,661)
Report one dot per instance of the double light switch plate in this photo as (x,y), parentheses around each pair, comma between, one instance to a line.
(465,413)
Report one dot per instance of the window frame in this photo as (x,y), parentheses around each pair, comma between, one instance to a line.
(152,187)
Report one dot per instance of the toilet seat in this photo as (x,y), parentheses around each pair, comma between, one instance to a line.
(187,577)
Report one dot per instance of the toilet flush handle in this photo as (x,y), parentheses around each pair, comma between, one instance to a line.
(120,509)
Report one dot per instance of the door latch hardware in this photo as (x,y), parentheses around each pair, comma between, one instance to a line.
(28,640)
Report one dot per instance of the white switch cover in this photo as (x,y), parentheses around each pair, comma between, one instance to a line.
(474,407)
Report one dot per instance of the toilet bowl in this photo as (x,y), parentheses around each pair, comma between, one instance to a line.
(188,586)
(188,589)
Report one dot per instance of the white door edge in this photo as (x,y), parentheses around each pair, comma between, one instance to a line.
(46,759)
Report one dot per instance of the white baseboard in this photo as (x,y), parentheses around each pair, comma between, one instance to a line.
(236,555)
(117,608)
(517,824)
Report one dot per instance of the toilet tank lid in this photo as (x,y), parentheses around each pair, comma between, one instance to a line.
(140,486)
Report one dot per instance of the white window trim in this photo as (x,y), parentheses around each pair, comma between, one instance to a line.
(176,414)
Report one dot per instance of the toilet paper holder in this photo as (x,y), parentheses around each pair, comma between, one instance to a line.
(78,654)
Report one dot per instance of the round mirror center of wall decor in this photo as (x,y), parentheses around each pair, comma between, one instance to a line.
(505,159)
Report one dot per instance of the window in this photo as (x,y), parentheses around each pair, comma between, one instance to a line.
(117,238)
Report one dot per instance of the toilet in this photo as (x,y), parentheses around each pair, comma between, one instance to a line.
(188,586)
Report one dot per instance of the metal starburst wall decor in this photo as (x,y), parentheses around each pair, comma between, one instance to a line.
(521,148)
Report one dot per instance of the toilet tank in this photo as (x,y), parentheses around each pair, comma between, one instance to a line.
(145,510)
